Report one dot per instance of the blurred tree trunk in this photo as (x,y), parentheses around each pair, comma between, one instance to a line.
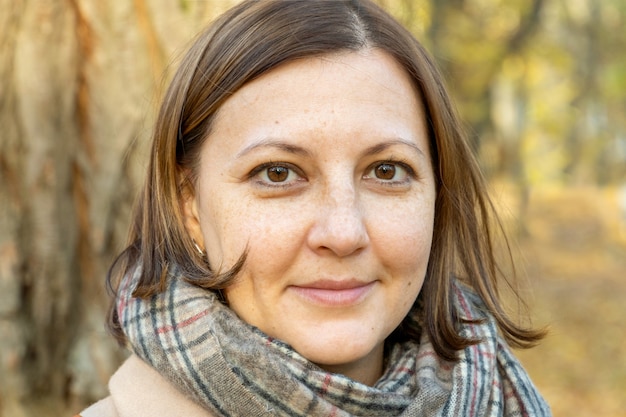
(460,24)
(77,83)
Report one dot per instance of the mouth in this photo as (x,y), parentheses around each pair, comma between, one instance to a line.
(334,293)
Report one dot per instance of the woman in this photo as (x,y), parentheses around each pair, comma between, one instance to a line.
(313,236)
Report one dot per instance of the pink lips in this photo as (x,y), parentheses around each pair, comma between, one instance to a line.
(334,293)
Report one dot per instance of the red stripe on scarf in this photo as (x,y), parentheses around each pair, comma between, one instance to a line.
(183,323)
(515,393)
(407,371)
(325,384)
(123,302)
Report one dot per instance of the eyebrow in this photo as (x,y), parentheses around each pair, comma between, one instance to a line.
(298,150)
(383,146)
(274,143)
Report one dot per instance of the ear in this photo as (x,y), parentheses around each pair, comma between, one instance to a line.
(189,206)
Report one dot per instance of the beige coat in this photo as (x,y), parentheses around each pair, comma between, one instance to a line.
(138,390)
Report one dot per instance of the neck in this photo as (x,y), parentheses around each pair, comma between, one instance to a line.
(366,370)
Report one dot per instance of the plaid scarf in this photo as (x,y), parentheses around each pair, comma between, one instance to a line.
(233,369)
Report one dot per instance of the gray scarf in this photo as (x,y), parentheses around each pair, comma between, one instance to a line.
(233,369)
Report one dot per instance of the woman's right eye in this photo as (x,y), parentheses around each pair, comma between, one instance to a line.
(276,174)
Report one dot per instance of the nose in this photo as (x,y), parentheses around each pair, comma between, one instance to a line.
(340,226)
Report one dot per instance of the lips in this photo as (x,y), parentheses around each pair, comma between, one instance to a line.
(334,293)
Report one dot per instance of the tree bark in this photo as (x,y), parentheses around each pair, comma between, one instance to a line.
(77,94)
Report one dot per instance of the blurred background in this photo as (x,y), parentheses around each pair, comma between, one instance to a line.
(540,83)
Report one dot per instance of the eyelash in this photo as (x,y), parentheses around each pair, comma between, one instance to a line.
(263,167)
(388,183)
(410,172)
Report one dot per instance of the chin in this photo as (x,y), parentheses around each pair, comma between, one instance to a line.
(339,351)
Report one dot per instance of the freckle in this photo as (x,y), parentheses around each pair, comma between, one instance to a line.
(276,122)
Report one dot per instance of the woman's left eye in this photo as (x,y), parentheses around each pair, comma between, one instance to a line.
(389,172)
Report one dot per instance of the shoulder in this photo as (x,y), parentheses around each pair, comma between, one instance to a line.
(103,408)
(139,390)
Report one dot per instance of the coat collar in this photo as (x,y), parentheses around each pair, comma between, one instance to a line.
(138,390)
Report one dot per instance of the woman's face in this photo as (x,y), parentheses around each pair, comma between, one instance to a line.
(321,169)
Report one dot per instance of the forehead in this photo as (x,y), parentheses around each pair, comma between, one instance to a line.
(355,97)
(317,76)
(367,80)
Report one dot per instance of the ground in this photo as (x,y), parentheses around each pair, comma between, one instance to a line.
(574,251)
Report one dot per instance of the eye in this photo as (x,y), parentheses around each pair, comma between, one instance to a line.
(275,174)
(390,172)
(385,171)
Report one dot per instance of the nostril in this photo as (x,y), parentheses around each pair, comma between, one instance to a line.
(341,234)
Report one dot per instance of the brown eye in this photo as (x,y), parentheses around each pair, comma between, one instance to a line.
(390,173)
(385,171)
(277,176)
(277,173)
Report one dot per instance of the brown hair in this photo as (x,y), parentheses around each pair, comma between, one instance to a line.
(246,42)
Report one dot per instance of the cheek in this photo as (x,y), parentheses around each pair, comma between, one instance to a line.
(271,237)
(225,234)
(403,237)
(274,242)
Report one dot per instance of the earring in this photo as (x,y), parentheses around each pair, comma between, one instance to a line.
(199,249)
